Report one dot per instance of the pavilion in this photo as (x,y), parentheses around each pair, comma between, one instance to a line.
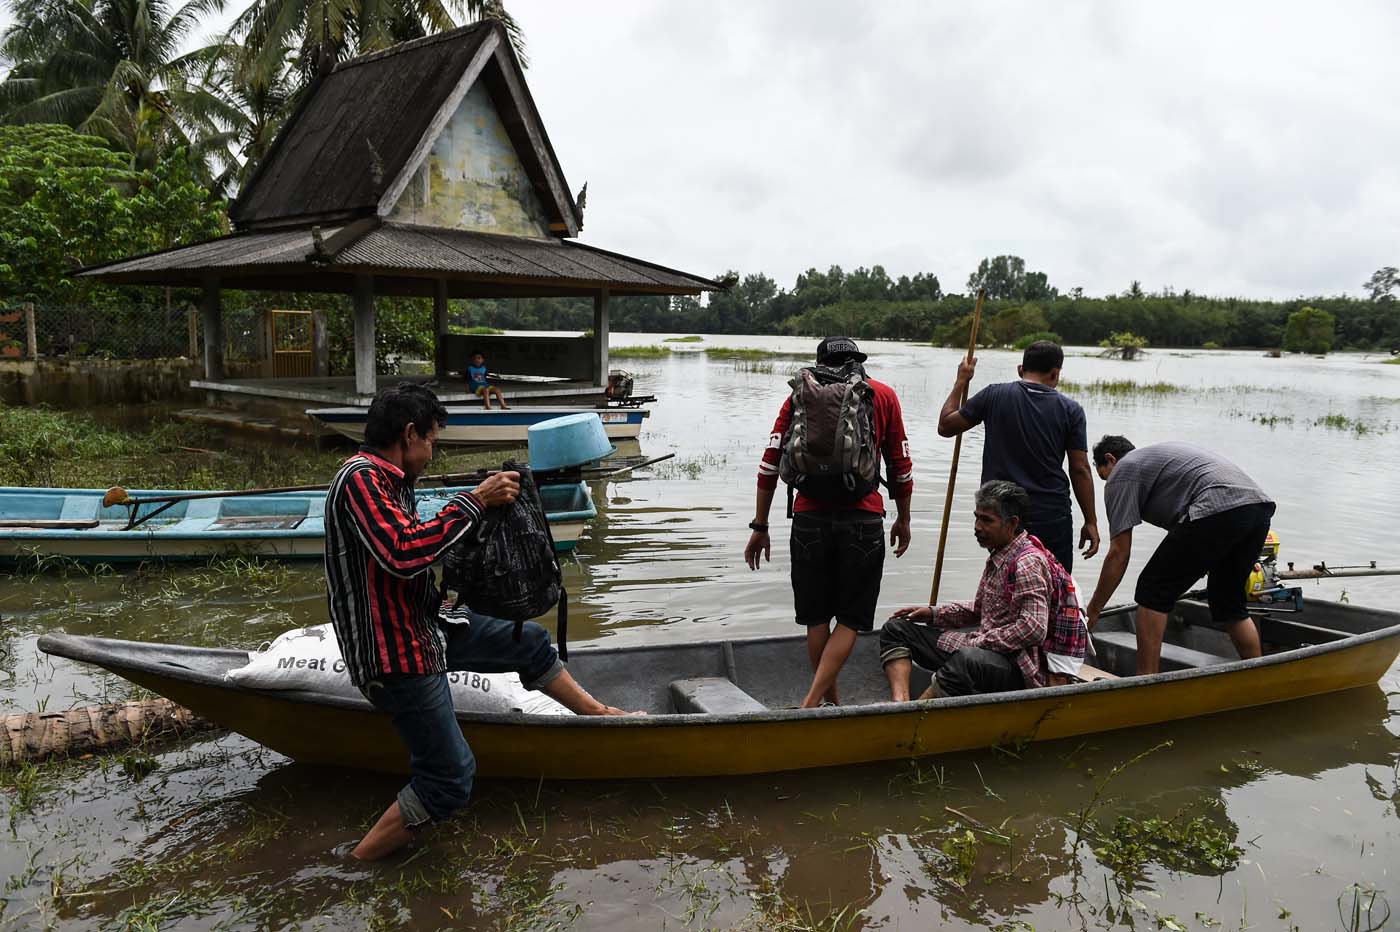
(421,170)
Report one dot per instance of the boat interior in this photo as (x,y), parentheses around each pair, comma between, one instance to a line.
(769,674)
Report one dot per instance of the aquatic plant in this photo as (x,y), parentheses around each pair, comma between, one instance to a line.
(748,352)
(477,330)
(1351,424)
(1120,387)
(693,338)
(1179,844)
(638,352)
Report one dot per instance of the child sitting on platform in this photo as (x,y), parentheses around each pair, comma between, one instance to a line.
(477,384)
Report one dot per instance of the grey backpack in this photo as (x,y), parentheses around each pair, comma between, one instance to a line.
(829,452)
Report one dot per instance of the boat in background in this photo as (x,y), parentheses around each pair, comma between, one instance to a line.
(724,707)
(471,424)
(72,523)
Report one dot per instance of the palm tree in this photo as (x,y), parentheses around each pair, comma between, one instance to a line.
(326,31)
(112,68)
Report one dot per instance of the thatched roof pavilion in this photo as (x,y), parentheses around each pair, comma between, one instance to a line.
(421,170)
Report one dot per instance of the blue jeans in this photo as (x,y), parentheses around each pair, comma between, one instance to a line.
(420,707)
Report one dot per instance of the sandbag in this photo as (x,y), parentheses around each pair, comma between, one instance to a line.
(309,660)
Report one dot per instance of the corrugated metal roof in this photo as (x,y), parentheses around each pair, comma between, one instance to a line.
(404,251)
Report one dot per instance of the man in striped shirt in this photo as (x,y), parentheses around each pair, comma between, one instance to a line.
(385,606)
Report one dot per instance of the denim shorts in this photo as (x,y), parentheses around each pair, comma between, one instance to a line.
(838,559)
(420,707)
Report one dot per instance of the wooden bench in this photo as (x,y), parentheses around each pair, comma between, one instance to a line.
(1174,656)
(712,695)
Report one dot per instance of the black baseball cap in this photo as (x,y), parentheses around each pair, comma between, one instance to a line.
(844,347)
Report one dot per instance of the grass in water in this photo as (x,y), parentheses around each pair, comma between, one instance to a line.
(1350,424)
(693,338)
(747,352)
(1120,387)
(478,330)
(639,352)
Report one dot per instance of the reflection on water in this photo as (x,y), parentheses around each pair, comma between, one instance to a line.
(224,834)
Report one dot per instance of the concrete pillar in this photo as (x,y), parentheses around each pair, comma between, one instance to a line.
(213,316)
(600,338)
(439,327)
(320,344)
(365,383)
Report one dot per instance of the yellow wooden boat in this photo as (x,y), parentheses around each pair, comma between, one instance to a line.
(724,707)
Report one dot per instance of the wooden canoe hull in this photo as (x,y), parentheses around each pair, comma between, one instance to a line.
(350,734)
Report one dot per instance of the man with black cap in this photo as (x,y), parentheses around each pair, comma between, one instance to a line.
(838,541)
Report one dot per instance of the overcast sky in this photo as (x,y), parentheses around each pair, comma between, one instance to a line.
(1227,147)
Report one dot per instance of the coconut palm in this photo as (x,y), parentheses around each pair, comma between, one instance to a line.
(113,68)
(324,31)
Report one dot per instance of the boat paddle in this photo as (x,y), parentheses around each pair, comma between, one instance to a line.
(957,450)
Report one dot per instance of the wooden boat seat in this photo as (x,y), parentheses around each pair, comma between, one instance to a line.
(1174,656)
(1090,674)
(712,695)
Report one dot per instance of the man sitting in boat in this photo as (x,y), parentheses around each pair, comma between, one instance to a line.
(1216,519)
(1011,613)
(385,606)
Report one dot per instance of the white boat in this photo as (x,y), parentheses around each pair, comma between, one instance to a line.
(476,425)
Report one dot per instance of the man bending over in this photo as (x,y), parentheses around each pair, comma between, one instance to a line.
(993,643)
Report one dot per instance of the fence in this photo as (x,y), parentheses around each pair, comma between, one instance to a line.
(139,331)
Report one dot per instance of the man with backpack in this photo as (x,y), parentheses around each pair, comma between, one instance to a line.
(1030,430)
(826,444)
(998,641)
(385,607)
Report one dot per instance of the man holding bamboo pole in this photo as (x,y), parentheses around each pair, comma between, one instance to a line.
(1031,430)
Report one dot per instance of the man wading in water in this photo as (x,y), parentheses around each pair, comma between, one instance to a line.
(838,542)
(385,606)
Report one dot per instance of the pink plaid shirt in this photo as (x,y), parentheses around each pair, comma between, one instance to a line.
(1011,611)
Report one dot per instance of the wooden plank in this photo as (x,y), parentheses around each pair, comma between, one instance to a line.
(1089,673)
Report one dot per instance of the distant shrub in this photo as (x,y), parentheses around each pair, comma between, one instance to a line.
(1210,344)
(1030,338)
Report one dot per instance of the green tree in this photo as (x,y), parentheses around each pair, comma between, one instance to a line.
(68,200)
(1309,330)
(321,32)
(1383,283)
(1012,323)
(1004,277)
(111,68)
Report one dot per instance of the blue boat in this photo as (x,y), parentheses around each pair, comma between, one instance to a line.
(72,523)
(472,424)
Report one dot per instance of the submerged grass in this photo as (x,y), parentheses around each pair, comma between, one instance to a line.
(1354,425)
(748,352)
(1120,387)
(639,352)
(693,338)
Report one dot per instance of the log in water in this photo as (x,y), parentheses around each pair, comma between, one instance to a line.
(37,736)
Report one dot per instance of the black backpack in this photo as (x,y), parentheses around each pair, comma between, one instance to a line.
(507,566)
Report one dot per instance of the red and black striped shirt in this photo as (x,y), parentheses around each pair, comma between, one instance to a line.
(384,601)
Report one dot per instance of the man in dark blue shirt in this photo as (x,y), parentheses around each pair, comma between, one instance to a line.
(1031,428)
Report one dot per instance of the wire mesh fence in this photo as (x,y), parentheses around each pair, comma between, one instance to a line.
(138,331)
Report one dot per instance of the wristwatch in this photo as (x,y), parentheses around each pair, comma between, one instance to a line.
(755,526)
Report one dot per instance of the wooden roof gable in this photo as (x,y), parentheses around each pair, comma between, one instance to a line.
(362,132)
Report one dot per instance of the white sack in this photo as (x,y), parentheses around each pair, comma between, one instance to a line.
(308,660)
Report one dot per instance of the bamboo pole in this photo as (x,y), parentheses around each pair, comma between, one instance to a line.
(37,736)
(957,450)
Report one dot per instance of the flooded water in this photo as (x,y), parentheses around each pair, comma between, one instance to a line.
(1284,817)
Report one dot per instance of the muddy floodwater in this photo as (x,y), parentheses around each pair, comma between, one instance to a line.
(1285,817)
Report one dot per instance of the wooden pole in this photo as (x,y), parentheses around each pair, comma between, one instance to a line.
(957,450)
(31,339)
